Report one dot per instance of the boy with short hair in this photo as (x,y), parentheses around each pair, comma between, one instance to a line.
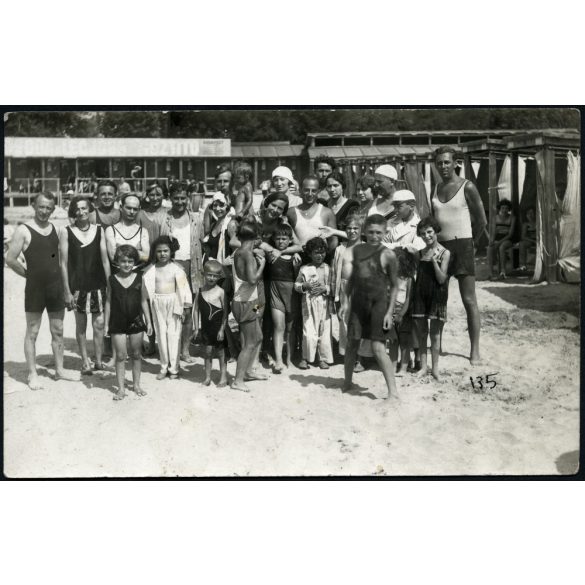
(370,271)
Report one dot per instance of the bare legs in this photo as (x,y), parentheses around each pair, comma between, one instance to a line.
(423,331)
(282,332)
(251,338)
(384,362)
(467,291)
(33,324)
(119,345)
(209,362)
(97,323)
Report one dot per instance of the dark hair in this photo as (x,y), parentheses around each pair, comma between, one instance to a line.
(126,195)
(283,229)
(177,187)
(106,183)
(455,154)
(126,251)
(503,202)
(47,195)
(337,176)
(71,212)
(375,219)
(316,244)
(152,187)
(428,221)
(309,178)
(366,182)
(274,197)
(248,230)
(223,168)
(325,159)
(406,263)
(172,243)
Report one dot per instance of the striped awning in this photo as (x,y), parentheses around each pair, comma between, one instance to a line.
(371,152)
(266,150)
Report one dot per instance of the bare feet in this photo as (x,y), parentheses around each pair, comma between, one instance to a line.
(207,381)
(139,391)
(436,375)
(62,375)
(422,372)
(241,387)
(86,369)
(161,375)
(393,397)
(475,360)
(254,376)
(189,359)
(277,368)
(120,394)
(34,383)
(222,383)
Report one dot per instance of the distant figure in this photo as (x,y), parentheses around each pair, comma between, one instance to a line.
(123,187)
(503,238)
(136,174)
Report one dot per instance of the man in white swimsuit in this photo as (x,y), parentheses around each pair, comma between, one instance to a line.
(456,205)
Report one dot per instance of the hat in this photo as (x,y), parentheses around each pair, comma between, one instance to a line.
(283,172)
(387,171)
(403,195)
(219,196)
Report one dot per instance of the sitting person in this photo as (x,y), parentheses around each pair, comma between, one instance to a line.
(503,237)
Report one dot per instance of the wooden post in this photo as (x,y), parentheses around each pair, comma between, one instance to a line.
(205,172)
(110,170)
(180,169)
(255,174)
(550,219)
(493,200)
(76,174)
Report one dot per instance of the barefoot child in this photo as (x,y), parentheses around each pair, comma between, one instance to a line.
(282,274)
(431,290)
(209,309)
(247,307)
(167,289)
(126,313)
(371,272)
(402,334)
(313,283)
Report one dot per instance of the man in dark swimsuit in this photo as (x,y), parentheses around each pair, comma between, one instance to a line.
(38,241)
(372,276)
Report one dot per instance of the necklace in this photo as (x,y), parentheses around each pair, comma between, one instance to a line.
(84,230)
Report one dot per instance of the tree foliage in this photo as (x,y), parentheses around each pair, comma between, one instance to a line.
(275,125)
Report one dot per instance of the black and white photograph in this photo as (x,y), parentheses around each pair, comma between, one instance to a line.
(277,292)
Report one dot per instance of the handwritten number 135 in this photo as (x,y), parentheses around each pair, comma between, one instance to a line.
(479,382)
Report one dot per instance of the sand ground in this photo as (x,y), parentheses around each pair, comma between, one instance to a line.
(299,423)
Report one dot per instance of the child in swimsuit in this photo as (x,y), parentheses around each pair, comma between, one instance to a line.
(247,305)
(431,291)
(281,275)
(168,292)
(209,309)
(126,313)
(313,283)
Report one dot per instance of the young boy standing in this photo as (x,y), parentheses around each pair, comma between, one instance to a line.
(371,271)
(210,310)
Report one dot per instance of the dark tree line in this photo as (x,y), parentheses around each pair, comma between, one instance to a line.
(273,125)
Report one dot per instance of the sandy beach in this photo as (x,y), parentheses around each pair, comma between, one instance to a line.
(299,423)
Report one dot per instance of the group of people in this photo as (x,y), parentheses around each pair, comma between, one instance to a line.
(241,281)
